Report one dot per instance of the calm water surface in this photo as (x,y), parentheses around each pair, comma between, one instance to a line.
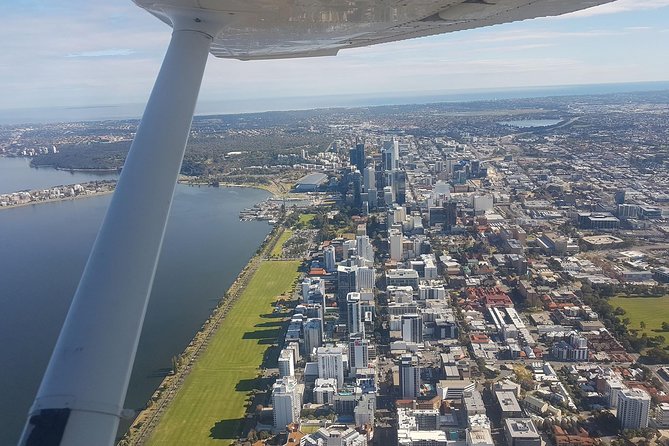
(43,249)
(528,123)
(16,174)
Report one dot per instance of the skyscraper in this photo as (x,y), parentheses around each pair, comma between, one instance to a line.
(329,258)
(395,239)
(286,402)
(633,409)
(346,281)
(286,363)
(409,376)
(365,278)
(412,328)
(354,314)
(313,335)
(364,247)
(331,363)
(369,178)
(357,156)
(358,352)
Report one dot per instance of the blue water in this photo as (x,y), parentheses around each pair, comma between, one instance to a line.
(43,249)
(16,174)
(530,123)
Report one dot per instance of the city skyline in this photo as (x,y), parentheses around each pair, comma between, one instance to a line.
(118,60)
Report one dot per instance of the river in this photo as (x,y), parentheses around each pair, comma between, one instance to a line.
(43,249)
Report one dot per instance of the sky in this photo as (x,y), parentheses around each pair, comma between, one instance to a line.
(91,53)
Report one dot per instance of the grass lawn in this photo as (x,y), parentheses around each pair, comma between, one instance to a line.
(209,408)
(651,310)
(305,219)
(277,250)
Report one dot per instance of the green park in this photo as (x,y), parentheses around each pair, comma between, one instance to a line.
(210,406)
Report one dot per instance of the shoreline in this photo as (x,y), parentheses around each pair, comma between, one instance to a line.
(56,200)
(97,194)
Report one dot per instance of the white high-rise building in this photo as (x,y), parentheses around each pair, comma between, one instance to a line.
(412,328)
(354,314)
(633,409)
(313,335)
(395,238)
(365,278)
(329,259)
(349,249)
(286,363)
(369,178)
(331,363)
(388,197)
(313,286)
(364,246)
(324,390)
(286,402)
(409,376)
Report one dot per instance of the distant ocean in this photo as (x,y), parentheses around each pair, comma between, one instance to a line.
(134,111)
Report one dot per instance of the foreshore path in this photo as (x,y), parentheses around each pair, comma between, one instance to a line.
(144,425)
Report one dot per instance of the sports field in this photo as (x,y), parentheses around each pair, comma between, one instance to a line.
(277,250)
(209,408)
(651,310)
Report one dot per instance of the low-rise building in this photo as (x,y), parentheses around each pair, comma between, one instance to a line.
(521,432)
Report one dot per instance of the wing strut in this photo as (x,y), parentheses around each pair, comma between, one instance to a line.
(81,397)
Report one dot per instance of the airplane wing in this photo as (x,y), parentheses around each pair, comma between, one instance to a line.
(265,29)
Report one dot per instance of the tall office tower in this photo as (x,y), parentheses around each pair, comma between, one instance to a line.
(286,363)
(451,214)
(286,402)
(358,352)
(387,151)
(395,239)
(313,336)
(388,198)
(346,281)
(412,328)
(369,178)
(400,186)
(330,259)
(365,278)
(349,248)
(331,363)
(354,314)
(449,164)
(475,168)
(356,178)
(364,247)
(633,409)
(357,156)
(372,198)
(409,376)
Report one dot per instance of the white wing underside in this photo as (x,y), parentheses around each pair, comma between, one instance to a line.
(275,29)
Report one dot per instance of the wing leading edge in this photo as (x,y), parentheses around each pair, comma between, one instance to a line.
(275,29)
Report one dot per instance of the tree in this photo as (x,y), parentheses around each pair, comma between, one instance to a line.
(642,324)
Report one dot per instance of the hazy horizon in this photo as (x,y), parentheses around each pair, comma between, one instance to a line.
(120,111)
